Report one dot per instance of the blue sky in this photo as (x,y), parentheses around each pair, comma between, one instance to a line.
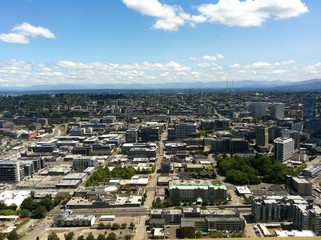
(151,41)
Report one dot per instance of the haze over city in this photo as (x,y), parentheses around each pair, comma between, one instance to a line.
(152,41)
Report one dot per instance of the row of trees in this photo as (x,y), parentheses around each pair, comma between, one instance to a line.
(90,236)
(253,170)
(115,226)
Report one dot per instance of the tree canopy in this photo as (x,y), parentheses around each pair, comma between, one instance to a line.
(253,170)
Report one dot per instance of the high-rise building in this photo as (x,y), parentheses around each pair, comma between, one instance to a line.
(283,148)
(132,135)
(277,111)
(295,135)
(10,171)
(262,136)
(309,107)
(258,109)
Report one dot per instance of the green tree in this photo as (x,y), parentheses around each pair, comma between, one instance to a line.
(191,234)
(123,225)
(101,237)
(69,236)
(101,226)
(13,235)
(198,234)
(47,202)
(28,203)
(38,213)
(90,236)
(115,226)
(81,237)
(53,236)
(128,237)
(111,236)
(23,213)
(131,225)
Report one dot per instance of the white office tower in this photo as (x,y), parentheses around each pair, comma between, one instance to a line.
(277,111)
(283,148)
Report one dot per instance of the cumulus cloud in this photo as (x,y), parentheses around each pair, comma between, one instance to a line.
(250,13)
(261,65)
(21,34)
(279,72)
(209,58)
(169,17)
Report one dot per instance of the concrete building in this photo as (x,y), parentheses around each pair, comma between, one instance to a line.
(132,135)
(298,186)
(84,161)
(262,136)
(258,109)
(188,190)
(185,130)
(150,133)
(229,145)
(275,208)
(283,148)
(277,111)
(221,220)
(307,217)
(295,135)
(66,220)
(10,172)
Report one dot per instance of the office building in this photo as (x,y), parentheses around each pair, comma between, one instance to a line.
(277,111)
(309,107)
(150,133)
(10,172)
(258,109)
(188,190)
(185,130)
(262,136)
(307,217)
(283,149)
(295,135)
(132,135)
(275,208)
(298,186)
(229,145)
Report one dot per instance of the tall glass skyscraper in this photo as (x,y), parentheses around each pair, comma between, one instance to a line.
(309,105)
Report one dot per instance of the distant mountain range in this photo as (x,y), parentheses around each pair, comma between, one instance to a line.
(245,85)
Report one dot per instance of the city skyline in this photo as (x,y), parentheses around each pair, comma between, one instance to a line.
(153,41)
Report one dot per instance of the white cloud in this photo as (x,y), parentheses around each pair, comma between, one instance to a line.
(250,13)
(236,65)
(168,17)
(220,56)
(22,33)
(209,58)
(261,65)
(279,72)
(21,73)
(285,63)
(14,38)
